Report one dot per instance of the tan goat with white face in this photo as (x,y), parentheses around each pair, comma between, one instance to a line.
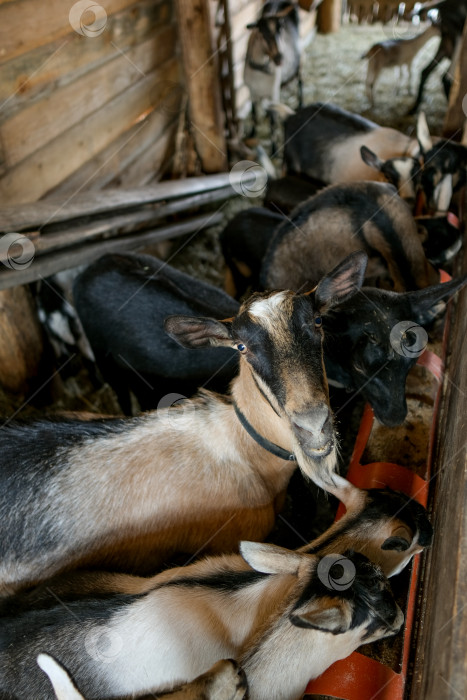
(126,494)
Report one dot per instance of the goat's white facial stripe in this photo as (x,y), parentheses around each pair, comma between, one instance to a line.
(404,167)
(443,193)
(267,308)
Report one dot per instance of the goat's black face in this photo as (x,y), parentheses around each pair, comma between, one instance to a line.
(359,354)
(358,348)
(269,28)
(346,591)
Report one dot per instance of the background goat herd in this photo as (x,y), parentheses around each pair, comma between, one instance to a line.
(141,552)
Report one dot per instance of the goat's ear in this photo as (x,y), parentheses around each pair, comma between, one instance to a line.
(342,282)
(325,614)
(371,158)
(62,683)
(426,304)
(193,332)
(399,540)
(423,134)
(271,559)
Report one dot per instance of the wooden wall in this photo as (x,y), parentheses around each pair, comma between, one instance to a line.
(83,111)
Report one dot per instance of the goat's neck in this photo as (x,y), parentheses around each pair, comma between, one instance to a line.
(258,411)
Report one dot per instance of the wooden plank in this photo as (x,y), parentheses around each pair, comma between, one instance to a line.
(39,123)
(21,343)
(329,16)
(47,212)
(440,671)
(202,83)
(104,169)
(38,73)
(121,225)
(47,167)
(56,262)
(455,115)
(31,24)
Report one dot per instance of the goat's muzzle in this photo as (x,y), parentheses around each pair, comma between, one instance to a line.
(314,431)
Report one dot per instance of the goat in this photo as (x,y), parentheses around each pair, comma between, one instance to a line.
(392,53)
(451,19)
(323,141)
(284,616)
(387,526)
(224,681)
(439,170)
(441,237)
(443,170)
(201,475)
(342,218)
(122,302)
(272,56)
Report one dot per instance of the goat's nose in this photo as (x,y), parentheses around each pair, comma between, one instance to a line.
(314,420)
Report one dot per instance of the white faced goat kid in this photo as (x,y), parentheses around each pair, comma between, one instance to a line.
(284,616)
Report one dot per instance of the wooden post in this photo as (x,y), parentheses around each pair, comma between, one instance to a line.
(202,83)
(20,340)
(440,670)
(329,16)
(455,116)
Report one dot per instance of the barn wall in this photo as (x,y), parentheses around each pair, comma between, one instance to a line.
(83,111)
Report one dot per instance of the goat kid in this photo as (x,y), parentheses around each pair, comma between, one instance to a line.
(386,526)
(394,53)
(224,681)
(202,475)
(272,57)
(284,616)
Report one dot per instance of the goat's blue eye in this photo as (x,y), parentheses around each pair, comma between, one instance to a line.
(318,322)
(241,347)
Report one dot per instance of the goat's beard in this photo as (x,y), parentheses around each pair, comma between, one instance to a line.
(319,469)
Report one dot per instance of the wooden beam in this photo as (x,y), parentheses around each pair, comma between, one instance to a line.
(52,211)
(120,225)
(202,83)
(440,670)
(85,254)
(20,340)
(329,16)
(456,113)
